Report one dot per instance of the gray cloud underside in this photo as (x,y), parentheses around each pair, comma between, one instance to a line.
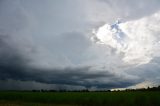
(14,68)
(14,65)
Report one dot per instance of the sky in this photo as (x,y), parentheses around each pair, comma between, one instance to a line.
(79,44)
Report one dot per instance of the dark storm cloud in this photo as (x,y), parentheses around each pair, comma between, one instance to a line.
(15,69)
(11,59)
(14,65)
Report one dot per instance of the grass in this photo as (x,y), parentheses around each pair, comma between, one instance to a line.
(136,98)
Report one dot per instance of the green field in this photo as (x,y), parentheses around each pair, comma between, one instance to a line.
(136,98)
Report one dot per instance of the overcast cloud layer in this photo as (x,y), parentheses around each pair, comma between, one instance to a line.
(77,44)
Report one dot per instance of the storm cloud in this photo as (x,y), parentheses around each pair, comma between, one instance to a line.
(47,44)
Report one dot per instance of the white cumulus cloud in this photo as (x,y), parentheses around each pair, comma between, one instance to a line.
(138,40)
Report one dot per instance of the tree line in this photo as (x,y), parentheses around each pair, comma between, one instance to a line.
(87,90)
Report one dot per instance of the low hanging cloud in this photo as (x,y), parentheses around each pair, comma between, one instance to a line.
(16,68)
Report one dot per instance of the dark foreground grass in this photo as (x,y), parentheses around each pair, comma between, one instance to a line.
(136,98)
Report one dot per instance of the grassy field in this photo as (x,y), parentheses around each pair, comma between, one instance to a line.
(137,98)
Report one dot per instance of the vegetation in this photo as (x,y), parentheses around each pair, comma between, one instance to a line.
(140,97)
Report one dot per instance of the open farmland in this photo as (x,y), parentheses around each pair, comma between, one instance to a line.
(130,98)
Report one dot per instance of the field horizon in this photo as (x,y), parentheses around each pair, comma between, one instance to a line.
(118,98)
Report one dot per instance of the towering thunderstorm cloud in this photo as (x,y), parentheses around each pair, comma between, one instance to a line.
(46,44)
(138,40)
